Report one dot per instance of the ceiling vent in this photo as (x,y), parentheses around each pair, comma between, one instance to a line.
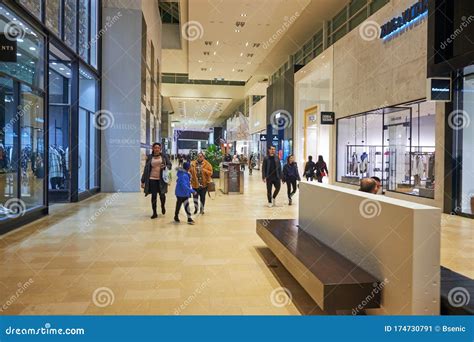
(240,23)
(256,45)
(208,42)
(206,53)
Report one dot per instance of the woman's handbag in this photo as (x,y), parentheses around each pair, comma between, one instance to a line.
(166,176)
(211,187)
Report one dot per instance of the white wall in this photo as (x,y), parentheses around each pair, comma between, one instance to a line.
(258,116)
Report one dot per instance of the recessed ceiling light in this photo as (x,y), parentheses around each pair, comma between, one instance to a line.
(18,54)
(243,15)
(199,61)
(19,40)
(215,53)
(62,69)
(247,44)
(217,43)
(32,48)
(241,54)
(237,31)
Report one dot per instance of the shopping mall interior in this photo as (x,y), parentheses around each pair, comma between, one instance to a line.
(238,157)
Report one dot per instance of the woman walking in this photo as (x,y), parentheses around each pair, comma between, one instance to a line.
(291,176)
(321,169)
(201,176)
(154,178)
(309,168)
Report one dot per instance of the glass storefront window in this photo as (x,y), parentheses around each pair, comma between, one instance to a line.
(94,32)
(462,122)
(60,82)
(88,132)
(34,6)
(29,67)
(84,29)
(70,23)
(53,15)
(32,147)
(395,144)
(8,146)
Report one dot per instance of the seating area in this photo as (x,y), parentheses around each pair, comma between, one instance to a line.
(334,282)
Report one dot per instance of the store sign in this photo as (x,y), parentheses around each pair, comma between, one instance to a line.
(263,137)
(275,138)
(328,118)
(408,17)
(8,49)
(439,89)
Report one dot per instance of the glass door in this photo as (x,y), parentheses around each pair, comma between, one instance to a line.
(60,85)
(397,149)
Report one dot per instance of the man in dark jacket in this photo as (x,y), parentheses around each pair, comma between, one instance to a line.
(271,174)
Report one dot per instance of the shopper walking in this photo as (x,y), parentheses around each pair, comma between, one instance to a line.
(235,159)
(271,175)
(291,176)
(183,192)
(155,179)
(321,169)
(309,169)
(251,163)
(201,176)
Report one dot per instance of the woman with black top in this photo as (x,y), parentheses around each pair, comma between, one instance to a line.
(290,176)
(153,181)
(321,169)
(309,168)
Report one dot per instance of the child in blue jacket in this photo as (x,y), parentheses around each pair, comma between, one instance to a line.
(183,192)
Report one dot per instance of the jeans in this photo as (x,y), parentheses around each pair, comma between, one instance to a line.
(277,184)
(291,183)
(179,202)
(155,190)
(201,195)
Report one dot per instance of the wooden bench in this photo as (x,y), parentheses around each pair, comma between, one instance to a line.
(334,282)
(463,285)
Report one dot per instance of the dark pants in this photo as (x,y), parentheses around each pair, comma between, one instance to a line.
(310,178)
(291,187)
(179,202)
(201,195)
(155,191)
(277,184)
(320,179)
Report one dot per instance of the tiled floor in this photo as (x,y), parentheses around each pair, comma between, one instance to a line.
(105,256)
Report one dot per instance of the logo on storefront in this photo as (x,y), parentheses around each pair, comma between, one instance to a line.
(263,137)
(8,49)
(328,118)
(408,17)
(439,89)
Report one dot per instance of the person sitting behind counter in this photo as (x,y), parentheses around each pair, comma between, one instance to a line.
(368,185)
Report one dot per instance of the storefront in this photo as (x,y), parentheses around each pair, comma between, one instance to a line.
(313,96)
(258,133)
(451,54)
(49,97)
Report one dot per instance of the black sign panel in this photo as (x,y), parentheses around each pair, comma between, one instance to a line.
(440,89)
(8,49)
(328,118)
(263,137)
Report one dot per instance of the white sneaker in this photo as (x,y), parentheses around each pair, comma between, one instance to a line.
(274,202)
(270,205)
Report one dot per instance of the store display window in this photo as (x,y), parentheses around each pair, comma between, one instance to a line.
(395,144)
(22,140)
(88,144)
(461,121)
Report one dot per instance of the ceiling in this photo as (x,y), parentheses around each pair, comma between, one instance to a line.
(233,37)
(196,113)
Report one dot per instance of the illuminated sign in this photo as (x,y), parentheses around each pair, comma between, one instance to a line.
(408,17)
(439,89)
(328,118)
